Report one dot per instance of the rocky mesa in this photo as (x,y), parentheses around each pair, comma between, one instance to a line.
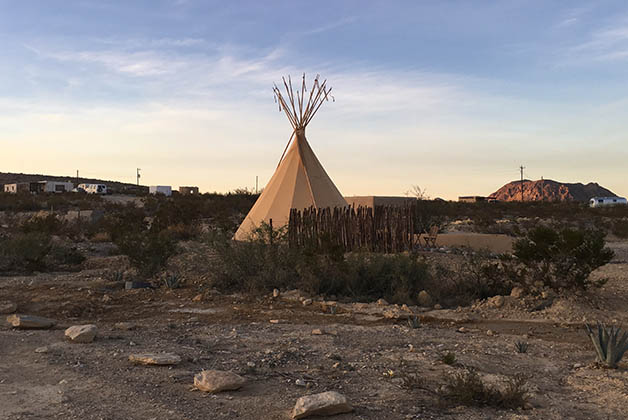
(549,190)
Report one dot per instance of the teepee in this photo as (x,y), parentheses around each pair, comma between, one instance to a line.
(300,181)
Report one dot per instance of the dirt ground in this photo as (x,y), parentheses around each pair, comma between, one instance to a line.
(361,353)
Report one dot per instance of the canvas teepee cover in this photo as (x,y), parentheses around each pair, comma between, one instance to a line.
(300,181)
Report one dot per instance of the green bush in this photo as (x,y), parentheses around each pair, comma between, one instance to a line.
(561,259)
(28,252)
(620,228)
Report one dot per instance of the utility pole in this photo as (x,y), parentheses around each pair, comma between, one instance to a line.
(521,168)
(138,176)
(255,184)
(77,178)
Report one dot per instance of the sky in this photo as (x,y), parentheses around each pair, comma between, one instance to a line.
(452,96)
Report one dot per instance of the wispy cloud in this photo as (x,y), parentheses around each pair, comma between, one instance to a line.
(605,44)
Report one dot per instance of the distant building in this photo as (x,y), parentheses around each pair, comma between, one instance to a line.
(607,201)
(188,190)
(472,199)
(160,189)
(374,200)
(38,187)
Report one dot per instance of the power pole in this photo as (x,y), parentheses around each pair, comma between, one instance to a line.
(521,168)
(77,178)
(138,176)
(255,184)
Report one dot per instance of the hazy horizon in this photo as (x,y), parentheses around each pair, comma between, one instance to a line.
(453,96)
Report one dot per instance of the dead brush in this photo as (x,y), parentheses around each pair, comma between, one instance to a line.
(467,388)
(414,322)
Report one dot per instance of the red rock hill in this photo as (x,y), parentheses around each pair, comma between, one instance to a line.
(548,190)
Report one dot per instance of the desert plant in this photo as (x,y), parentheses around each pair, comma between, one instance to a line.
(117,276)
(414,322)
(561,259)
(172,281)
(448,358)
(610,345)
(468,388)
(521,346)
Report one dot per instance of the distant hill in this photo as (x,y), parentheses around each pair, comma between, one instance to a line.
(118,187)
(548,190)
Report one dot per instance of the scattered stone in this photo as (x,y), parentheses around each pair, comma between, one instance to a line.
(218,381)
(497,301)
(274,321)
(250,364)
(462,330)
(81,333)
(300,382)
(42,349)
(307,302)
(197,298)
(7,307)
(406,308)
(125,326)
(382,302)
(438,306)
(317,331)
(424,299)
(160,359)
(106,299)
(490,333)
(30,321)
(577,365)
(292,295)
(325,404)
(517,292)
(276,293)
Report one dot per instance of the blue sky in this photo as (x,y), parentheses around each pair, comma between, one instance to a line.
(450,95)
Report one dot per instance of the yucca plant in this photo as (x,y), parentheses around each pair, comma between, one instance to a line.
(609,342)
(172,281)
(414,322)
(521,347)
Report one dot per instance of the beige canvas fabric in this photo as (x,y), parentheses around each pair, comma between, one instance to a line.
(300,181)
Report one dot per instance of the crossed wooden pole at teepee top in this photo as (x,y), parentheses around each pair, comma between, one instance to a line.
(299,112)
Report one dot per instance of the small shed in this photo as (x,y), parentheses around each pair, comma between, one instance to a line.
(188,190)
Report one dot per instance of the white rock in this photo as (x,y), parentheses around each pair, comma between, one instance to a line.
(324,404)
(276,293)
(218,381)
(382,302)
(30,321)
(7,307)
(497,301)
(307,302)
(81,333)
(161,359)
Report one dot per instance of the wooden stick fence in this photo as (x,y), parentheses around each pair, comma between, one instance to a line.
(385,229)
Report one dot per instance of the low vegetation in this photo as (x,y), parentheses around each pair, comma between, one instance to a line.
(609,343)
(469,389)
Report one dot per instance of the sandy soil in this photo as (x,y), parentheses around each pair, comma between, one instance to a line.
(361,354)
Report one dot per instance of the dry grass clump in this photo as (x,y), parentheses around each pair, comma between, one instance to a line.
(467,388)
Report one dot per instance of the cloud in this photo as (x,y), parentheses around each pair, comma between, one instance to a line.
(605,44)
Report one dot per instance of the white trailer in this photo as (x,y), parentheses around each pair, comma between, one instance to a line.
(607,201)
(160,189)
(94,188)
(57,186)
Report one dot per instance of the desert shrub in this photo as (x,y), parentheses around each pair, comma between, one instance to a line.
(521,346)
(34,251)
(619,228)
(267,262)
(467,388)
(148,251)
(561,259)
(448,358)
(49,224)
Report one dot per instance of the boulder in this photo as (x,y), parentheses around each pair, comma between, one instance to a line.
(30,321)
(81,333)
(497,301)
(160,359)
(325,404)
(517,292)
(7,307)
(424,299)
(218,381)
(382,302)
